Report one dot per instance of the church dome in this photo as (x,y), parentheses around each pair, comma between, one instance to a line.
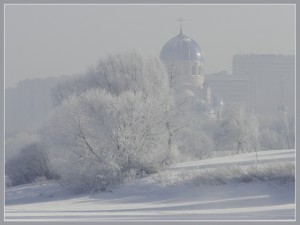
(183,48)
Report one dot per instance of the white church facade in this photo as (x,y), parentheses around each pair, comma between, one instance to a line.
(184,61)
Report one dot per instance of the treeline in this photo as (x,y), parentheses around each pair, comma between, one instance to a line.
(120,121)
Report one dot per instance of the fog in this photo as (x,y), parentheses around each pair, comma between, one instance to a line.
(51,40)
(108,100)
(255,44)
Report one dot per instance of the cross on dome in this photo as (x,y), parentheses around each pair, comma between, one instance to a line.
(180,20)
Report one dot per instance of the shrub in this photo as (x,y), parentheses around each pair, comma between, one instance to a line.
(30,164)
(270,172)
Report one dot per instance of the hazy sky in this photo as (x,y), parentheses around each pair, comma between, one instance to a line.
(53,40)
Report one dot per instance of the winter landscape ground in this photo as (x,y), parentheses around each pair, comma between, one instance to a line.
(238,187)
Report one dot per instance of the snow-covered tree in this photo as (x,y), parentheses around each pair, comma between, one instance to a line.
(277,132)
(117,74)
(238,130)
(193,144)
(115,126)
(287,129)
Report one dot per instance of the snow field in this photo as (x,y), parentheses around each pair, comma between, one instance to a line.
(212,189)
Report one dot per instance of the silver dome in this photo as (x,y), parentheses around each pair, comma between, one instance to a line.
(181,47)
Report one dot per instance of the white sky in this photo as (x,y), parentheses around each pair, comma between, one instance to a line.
(52,40)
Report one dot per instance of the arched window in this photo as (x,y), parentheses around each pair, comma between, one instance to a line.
(199,71)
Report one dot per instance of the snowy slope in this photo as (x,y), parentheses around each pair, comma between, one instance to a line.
(157,197)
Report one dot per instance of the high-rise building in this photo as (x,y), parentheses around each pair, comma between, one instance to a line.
(263,83)
(274,77)
(263,65)
(232,89)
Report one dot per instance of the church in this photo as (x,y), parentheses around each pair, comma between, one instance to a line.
(184,61)
(262,83)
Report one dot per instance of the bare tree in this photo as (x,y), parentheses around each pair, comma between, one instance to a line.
(179,114)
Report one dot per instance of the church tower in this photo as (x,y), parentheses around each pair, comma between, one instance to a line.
(184,61)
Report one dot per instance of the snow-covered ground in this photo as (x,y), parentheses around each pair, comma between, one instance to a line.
(169,195)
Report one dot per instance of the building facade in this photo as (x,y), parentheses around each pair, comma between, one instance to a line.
(232,89)
(274,78)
